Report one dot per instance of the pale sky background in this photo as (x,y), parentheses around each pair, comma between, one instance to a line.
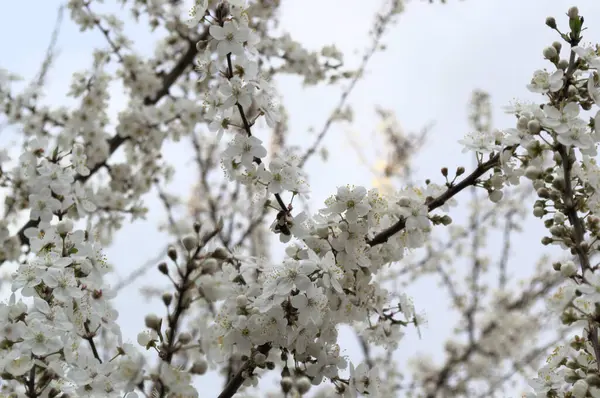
(436,56)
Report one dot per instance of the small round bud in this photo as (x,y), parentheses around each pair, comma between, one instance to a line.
(533,126)
(568,269)
(144,338)
(580,389)
(543,193)
(303,385)
(556,266)
(404,201)
(162,267)
(563,64)
(172,253)
(210,265)
(445,171)
(199,367)
(573,12)
(556,230)
(197,227)
(185,338)
(286,384)
(446,220)
(496,196)
(152,322)
(539,212)
(546,241)
(220,254)
(533,172)
(460,170)
(167,298)
(64,226)
(550,53)
(551,22)
(241,300)
(522,122)
(270,365)
(190,242)
(557,45)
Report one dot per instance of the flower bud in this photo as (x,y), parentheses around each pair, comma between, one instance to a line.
(460,170)
(190,242)
(546,241)
(162,267)
(197,227)
(199,367)
(64,226)
(550,53)
(185,338)
(573,12)
(446,220)
(152,322)
(568,269)
(286,384)
(593,379)
(563,64)
(496,196)
(445,171)
(551,22)
(557,46)
(172,253)
(241,300)
(220,254)
(533,126)
(533,172)
(303,385)
(580,389)
(404,202)
(260,358)
(167,298)
(539,212)
(543,193)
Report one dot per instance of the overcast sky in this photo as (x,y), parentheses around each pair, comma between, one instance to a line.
(436,56)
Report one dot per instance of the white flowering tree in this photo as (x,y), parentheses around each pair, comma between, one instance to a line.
(230,307)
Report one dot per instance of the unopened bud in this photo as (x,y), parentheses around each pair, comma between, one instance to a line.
(573,12)
(546,241)
(185,338)
(557,46)
(460,170)
(220,254)
(286,384)
(539,212)
(563,64)
(551,22)
(550,53)
(199,367)
(190,242)
(303,385)
(533,172)
(162,267)
(533,126)
(64,226)
(568,269)
(167,298)
(152,322)
(496,196)
(446,220)
(445,171)
(197,227)
(172,253)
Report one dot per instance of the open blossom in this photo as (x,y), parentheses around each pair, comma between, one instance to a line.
(246,149)
(542,81)
(230,37)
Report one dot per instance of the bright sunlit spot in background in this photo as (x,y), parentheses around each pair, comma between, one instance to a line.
(435,56)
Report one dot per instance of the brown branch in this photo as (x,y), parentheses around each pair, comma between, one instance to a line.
(471,179)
